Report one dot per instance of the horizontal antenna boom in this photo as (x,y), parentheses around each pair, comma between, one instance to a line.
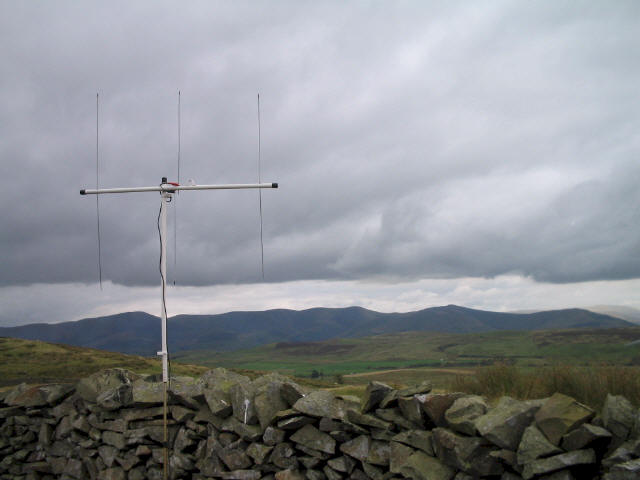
(173,188)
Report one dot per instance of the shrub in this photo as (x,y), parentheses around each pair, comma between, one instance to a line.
(589,385)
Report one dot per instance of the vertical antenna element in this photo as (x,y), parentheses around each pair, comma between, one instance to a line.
(260,192)
(175,206)
(97,204)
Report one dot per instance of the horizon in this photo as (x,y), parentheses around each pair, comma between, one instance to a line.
(633,314)
(427,153)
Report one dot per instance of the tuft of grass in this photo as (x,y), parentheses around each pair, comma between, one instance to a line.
(589,385)
(32,361)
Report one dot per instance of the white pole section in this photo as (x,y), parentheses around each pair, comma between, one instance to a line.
(165,197)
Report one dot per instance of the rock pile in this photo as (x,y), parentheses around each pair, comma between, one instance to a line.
(224,426)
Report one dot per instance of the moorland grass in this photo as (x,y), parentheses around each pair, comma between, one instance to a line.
(589,385)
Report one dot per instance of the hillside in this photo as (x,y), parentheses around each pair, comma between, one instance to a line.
(585,346)
(139,332)
(33,361)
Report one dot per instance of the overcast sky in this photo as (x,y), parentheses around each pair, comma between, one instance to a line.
(478,153)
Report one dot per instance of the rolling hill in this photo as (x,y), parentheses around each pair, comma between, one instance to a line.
(33,361)
(139,333)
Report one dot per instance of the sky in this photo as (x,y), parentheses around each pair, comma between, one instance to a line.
(477,153)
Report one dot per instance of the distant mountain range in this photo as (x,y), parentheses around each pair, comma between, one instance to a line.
(139,333)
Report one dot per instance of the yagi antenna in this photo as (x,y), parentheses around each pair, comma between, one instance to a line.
(167,191)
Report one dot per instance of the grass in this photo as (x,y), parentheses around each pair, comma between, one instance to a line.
(588,385)
(520,364)
(33,361)
(418,350)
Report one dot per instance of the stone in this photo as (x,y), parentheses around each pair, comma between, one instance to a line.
(535,445)
(322,403)
(311,437)
(585,435)
(89,388)
(411,409)
(342,464)
(394,416)
(242,400)
(374,473)
(45,435)
(420,439)
(147,391)
(291,392)
(221,379)
(625,452)
(37,396)
(561,414)
(507,457)
(510,476)
(75,469)
(367,420)
(268,402)
(629,470)
(469,454)
(116,398)
(283,456)
(115,439)
(504,424)
(379,453)
(250,433)
(108,454)
(184,440)
(559,475)
(398,455)
(462,413)
(331,474)
(558,462)
(436,404)
(294,422)
(358,448)
(240,475)
(181,414)
(234,458)
(421,466)
(289,475)
(373,395)
(219,402)
(418,389)
(259,452)
(115,473)
(273,436)
(618,416)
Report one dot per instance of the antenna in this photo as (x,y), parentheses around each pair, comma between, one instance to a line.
(175,208)
(97,204)
(167,191)
(260,194)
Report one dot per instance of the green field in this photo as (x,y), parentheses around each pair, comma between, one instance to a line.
(585,363)
(423,350)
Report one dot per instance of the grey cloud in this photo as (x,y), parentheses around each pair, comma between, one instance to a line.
(373,118)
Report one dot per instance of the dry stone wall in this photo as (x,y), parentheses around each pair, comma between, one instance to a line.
(224,426)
